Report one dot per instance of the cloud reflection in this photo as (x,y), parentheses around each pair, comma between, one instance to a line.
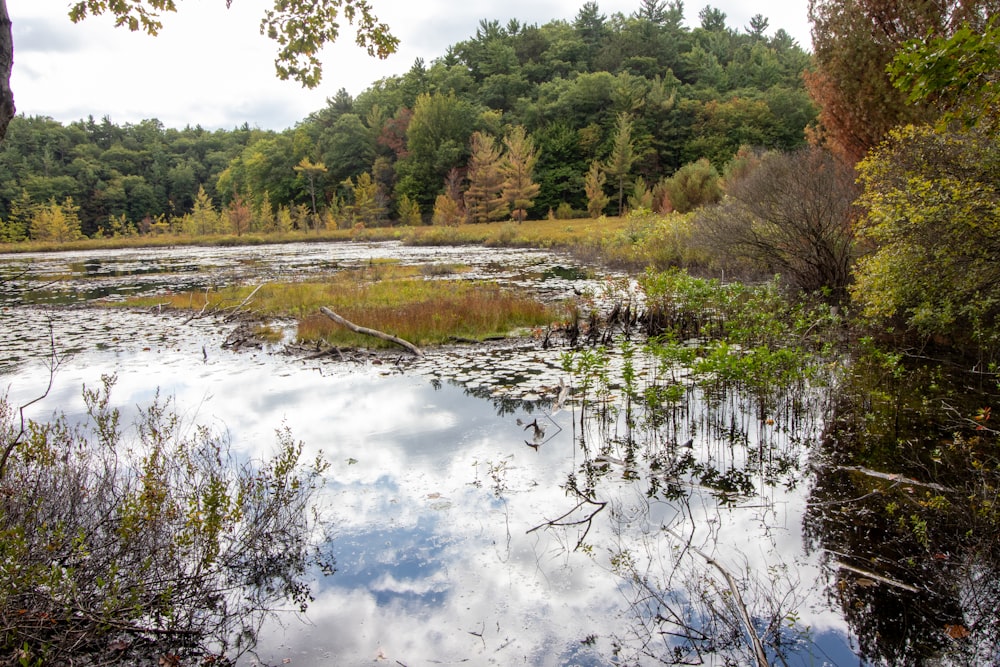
(432,494)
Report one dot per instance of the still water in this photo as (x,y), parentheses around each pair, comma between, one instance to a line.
(475,521)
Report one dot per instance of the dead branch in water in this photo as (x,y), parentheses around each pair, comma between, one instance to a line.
(236,310)
(755,643)
(562,521)
(896,478)
(371,332)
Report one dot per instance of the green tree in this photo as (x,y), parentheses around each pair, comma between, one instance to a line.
(854,42)
(203,219)
(619,164)
(408,211)
(369,204)
(517,168)
(15,227)
(956,74)
(299,27)
(693,185)
(437,140)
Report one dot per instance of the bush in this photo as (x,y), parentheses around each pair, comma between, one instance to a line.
(122,550)
(791,215)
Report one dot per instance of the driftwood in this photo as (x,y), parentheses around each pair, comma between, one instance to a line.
(876,577)
(371,332)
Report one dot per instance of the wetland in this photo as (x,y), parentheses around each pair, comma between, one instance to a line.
(678,472)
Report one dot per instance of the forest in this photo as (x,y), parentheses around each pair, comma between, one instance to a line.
(640,96)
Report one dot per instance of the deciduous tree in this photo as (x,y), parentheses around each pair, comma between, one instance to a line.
(56,222)
(311,171)
(301,28)
(933,215)
(517,167)
(853,43)
(593,183)
(482,198)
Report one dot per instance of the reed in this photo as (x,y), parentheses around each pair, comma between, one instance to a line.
(389,297)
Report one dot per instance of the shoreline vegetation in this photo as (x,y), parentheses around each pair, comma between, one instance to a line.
(632,241)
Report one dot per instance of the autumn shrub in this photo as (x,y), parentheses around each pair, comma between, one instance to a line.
(932,216)
(164,545)
(792,214)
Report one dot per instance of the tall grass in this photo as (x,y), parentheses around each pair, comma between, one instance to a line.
(387,297)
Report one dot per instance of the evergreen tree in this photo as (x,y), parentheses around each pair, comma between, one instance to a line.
(619,164)
(15,227)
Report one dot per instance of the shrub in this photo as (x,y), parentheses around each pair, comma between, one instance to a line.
(120,550)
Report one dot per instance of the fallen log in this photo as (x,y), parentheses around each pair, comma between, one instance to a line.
(874,576)
(896,478)
(371,332)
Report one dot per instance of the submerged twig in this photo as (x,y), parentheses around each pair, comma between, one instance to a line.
(587,520)
(898,479)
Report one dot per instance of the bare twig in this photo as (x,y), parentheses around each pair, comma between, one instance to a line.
(19,436)
(758,647)
(235,311)
(587,520)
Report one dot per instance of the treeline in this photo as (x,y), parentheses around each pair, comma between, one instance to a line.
(602,108)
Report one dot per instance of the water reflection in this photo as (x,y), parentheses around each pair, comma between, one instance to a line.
(454,540)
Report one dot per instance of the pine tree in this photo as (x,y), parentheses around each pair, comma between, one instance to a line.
(15,227)
(619,163)
(517,166)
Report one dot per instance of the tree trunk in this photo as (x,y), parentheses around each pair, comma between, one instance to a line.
(7,109)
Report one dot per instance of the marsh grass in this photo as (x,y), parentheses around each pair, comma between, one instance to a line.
(392,298)
(635,241)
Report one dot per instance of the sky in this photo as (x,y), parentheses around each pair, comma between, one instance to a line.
(209,66)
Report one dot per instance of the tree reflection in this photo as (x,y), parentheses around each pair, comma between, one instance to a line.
(904,513)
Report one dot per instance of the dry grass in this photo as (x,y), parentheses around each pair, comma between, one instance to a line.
(632,242)
(386,297)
